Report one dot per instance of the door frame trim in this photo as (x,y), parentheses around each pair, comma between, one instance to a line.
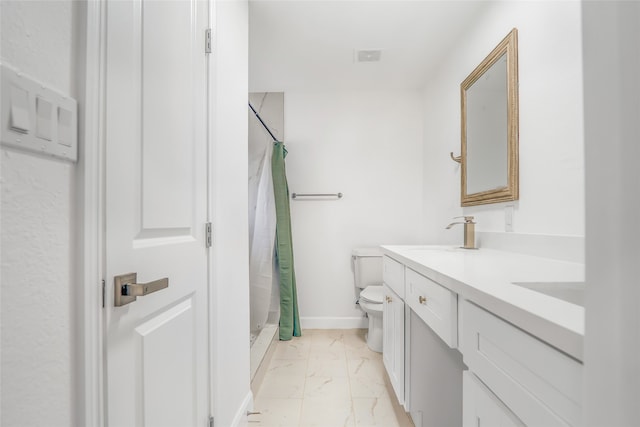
(90,192)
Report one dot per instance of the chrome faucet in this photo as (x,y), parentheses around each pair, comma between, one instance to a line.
(469,231)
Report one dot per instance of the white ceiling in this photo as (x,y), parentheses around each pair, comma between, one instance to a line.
(309,45)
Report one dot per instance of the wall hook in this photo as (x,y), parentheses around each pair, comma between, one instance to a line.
(455,159)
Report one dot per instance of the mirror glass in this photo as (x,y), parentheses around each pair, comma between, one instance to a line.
(487,130)
(490,129)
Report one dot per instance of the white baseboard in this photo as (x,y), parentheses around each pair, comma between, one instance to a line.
(334,322)
(240,419)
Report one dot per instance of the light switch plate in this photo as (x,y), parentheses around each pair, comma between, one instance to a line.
(508,218)
(36,118)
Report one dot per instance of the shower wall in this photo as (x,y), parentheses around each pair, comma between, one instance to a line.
(264,296)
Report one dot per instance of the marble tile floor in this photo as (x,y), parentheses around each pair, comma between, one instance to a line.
(326,378)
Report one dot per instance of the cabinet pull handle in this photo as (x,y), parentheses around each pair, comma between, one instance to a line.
(388,298)
(422,299)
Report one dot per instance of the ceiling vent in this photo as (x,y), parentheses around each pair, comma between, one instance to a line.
(369,55)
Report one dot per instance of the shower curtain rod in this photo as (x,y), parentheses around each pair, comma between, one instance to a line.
(263,123)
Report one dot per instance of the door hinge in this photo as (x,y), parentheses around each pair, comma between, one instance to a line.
(208,235)
(104,292)
(211,423)
(207,40)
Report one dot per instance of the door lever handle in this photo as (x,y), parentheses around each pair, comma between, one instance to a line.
(142,289)
(127,290)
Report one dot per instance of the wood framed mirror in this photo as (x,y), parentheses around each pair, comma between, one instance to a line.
(489,146)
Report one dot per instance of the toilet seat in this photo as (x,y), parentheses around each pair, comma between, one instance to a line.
(371,307)
(372,295)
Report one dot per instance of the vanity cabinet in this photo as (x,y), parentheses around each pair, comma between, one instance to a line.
(393,343)
(539,384)
(426,369)
(465,360)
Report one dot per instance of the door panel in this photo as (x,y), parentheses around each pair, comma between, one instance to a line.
(167,341)
(156,210)
(167,89)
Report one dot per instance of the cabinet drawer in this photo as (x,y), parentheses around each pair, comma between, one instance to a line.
(541,385)
(436,305)
(393,275)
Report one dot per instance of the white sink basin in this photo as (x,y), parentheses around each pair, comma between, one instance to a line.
(572,292)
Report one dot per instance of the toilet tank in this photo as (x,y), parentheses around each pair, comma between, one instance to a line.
(367,267)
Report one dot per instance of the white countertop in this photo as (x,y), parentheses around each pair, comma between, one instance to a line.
(486,277)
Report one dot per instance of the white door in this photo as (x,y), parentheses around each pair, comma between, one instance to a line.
(157,369)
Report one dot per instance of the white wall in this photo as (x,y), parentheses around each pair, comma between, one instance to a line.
(368,146)
(230,267)
(551,122)
(612,132)
(37,232)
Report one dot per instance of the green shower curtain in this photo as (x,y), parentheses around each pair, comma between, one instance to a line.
(289,318)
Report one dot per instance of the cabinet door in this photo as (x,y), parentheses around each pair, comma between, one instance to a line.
(393,340)
(482,408)
(387,329)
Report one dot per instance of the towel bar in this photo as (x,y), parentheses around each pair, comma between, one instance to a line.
(296,195)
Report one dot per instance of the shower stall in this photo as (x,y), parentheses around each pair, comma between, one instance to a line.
(263,291)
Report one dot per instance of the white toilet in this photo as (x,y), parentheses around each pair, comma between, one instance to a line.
(367,269)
